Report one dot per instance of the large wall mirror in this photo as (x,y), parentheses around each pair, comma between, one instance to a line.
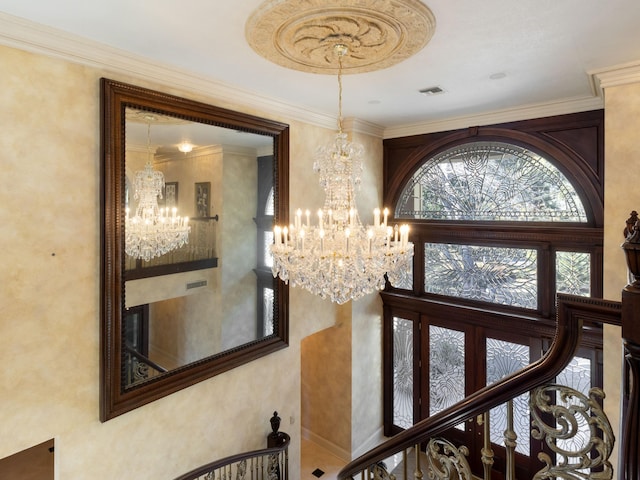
(186,299)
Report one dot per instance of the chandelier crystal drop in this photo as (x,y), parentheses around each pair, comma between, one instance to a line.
(152,231)
(338,258)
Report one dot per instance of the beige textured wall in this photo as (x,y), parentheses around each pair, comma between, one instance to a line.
(326,385)
(366,338)
(49,314)
(622,123)
(342,365)
(238,249)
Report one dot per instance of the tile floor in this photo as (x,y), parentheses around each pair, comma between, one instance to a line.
(315,457)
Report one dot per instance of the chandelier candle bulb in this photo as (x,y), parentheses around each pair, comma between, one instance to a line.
(376,217)
(386,215)
(308,214)
(404,235)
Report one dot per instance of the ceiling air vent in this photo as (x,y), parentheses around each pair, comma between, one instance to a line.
(432,91)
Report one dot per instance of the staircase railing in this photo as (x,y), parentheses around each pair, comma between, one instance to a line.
(137,367)
(572,313)
(271,463)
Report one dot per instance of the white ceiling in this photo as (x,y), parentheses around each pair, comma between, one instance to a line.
(543,50)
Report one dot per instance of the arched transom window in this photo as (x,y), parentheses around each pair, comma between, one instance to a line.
(490,181)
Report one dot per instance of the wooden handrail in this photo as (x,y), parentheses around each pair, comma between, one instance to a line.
(572,312)
(233,459)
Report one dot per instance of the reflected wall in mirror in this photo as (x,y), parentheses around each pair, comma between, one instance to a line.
(173,315)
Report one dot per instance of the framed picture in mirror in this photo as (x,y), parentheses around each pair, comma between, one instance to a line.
(203,199)
(171,195)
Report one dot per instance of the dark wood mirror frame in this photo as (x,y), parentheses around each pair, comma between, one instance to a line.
(115,97)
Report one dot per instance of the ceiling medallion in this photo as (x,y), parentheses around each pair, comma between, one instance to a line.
(301,35)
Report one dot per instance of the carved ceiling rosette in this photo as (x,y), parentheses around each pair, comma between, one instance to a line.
(301,35)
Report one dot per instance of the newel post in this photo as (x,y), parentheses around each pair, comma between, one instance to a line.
(629,464)
(276,438)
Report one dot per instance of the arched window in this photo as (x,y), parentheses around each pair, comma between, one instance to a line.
(264,226)
(490,181)
(502,218)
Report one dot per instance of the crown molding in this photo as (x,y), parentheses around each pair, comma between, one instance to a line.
(525,112)
(622,74)
(26,35)
(37,38)
(362,126)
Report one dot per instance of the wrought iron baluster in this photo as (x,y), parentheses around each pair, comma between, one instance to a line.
(510,444)
(418,471)
(404,464)
(487,451)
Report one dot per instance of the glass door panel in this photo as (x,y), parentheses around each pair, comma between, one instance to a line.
(403,393)
(504,358)
(446,368)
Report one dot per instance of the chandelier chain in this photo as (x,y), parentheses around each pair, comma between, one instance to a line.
(340,55)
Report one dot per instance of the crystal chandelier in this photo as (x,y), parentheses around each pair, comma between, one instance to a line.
(339,258)
(153,231)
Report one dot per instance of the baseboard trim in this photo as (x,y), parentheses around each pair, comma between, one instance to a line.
(373,441)
(328,445)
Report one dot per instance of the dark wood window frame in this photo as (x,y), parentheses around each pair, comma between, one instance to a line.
(574,143)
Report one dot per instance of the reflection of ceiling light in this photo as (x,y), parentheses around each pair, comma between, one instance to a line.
(185,147)
(152,231)
(340,259)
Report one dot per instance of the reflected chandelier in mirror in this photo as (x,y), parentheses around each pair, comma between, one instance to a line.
(179,314)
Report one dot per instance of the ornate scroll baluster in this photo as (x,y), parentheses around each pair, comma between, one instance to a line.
(445,461)
(241,470)
(581,439)
(273,469)
(379,471)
